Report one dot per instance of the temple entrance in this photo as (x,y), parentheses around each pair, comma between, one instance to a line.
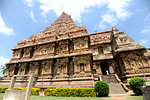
(104,68)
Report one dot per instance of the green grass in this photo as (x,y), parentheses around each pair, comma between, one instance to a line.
(81,98)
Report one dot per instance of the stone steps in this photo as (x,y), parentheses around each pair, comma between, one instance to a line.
(114,86)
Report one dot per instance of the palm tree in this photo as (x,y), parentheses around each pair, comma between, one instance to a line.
(3,69)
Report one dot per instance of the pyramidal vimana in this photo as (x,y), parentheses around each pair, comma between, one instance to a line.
(66,55)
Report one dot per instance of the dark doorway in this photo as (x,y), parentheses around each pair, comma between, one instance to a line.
(40,69)
(32,52)
(27,68)
(105,68)
(22,53)
(16,69)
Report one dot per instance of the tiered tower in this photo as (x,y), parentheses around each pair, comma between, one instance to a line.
(65,55)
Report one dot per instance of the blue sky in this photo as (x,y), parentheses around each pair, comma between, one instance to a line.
(19,19)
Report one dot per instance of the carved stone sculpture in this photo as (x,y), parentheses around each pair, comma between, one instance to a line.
(64,54)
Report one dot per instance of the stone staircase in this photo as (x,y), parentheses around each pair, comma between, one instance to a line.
(115,85)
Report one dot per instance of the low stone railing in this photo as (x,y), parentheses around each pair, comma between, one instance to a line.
(119,81)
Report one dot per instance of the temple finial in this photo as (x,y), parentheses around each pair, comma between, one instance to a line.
(113,28)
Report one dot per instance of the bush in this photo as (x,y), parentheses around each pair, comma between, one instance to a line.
(35,91)
(101,89)
(70,92)
(3,89)
(49,92)
(136,83)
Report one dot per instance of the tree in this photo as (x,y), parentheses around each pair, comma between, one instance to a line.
(1,78)
(3,69)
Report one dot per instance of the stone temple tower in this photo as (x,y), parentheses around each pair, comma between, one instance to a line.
(66,55)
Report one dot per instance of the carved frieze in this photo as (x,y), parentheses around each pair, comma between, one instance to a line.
(99,38)
(27,53)
(107,49)
(81,44)
(62,47)
(94,50)
(16,55)
(135,63)
(44,50)
(60,68)
(35,68)
(10,70)
(122,42)
(22,68)
(47,67)
(82,63)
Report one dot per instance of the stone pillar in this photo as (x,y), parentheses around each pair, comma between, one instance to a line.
(98,68)
(111,68)
(146,91)
(76,67)
(37,66)
(87,67)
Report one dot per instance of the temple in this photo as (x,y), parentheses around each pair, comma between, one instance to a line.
(66,55)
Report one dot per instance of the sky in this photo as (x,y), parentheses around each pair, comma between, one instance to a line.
(19,19)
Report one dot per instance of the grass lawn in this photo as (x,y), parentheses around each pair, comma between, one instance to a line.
(82,98)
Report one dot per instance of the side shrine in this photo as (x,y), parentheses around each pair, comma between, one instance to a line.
(65,55)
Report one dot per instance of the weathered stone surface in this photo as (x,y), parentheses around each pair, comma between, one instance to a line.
(146,91)
(14,95)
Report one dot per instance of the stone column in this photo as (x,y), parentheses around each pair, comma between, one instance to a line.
(111,67)
(98,68)
(76,67)
(87,67)
(146,91)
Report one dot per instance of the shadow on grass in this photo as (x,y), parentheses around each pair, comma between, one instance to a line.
(134,95)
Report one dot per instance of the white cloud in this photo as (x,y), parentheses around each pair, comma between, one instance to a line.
(108,20)
(3,60)
(76,7)
(143,41)
(3,28)
(32,16)
(147,18)
(73,7)
(119,7)
(147,26)
(29,3)
(117,11)
(147,30)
